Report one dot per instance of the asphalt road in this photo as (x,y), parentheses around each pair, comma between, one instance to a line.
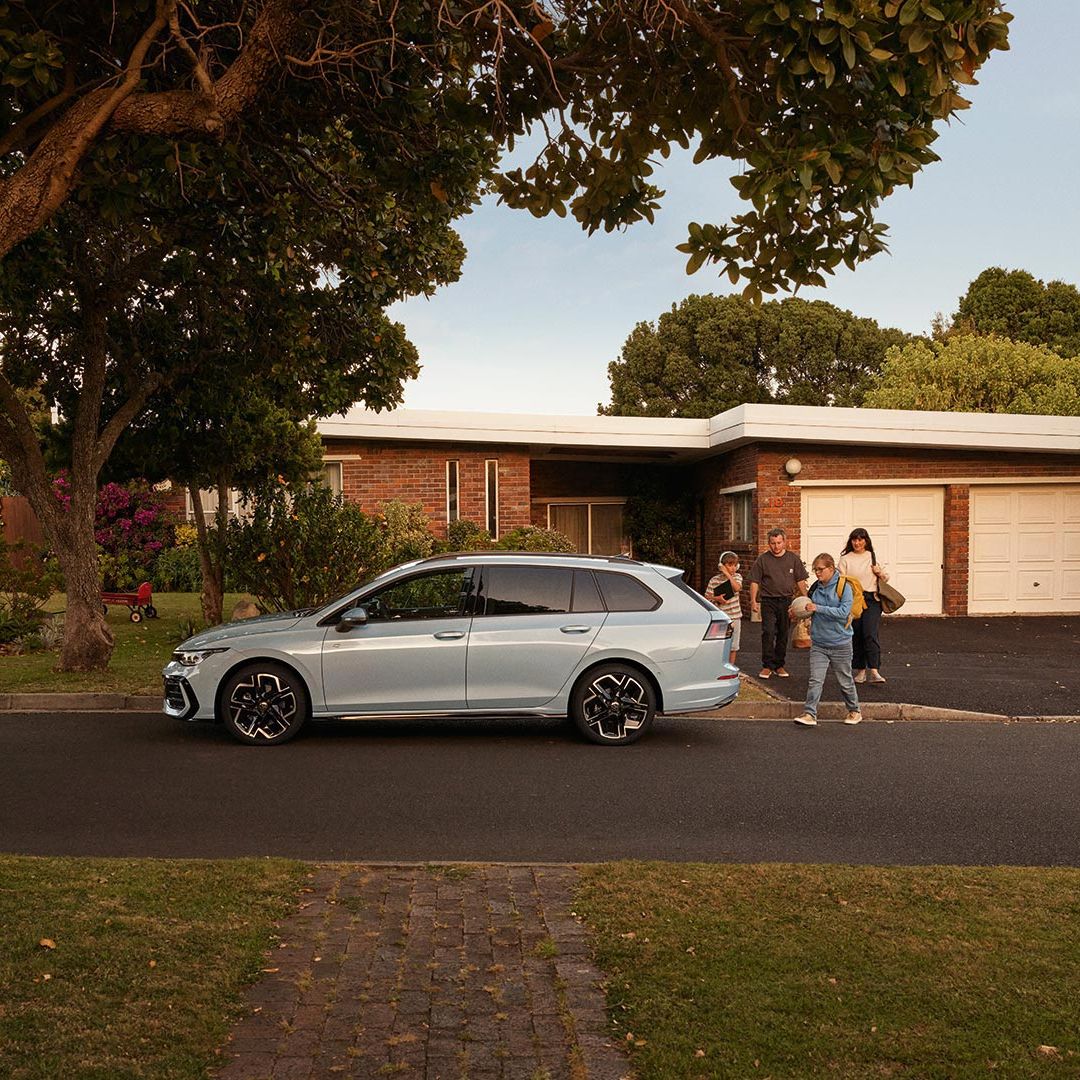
(693,789)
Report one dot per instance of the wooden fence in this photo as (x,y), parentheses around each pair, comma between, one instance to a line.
(19,522)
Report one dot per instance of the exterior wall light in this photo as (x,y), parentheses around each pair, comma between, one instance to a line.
(793,466)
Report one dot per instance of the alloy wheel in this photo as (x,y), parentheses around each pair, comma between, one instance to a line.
(263,705)
(614,705)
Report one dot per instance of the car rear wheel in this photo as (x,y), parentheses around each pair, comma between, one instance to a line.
(614,705)
(263,704)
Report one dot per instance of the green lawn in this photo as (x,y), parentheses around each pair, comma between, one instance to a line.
(150,962)
(142,649)
(835,971)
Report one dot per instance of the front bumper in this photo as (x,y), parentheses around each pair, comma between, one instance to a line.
(180,699)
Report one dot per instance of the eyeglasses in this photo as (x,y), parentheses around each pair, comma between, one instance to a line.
(820,569)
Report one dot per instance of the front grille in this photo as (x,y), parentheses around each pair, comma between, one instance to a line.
(174,693)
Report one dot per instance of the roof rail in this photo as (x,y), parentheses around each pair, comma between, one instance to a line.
(501,553)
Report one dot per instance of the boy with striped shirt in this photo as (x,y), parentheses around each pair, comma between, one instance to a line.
(723,590)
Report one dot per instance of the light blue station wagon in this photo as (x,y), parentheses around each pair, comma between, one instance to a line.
(608,641)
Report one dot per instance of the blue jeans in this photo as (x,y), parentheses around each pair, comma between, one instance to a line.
(838,657)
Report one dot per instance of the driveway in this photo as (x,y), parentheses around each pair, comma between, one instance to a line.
(1013,665)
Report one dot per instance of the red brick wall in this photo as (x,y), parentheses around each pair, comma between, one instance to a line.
(373,474)
(737,467)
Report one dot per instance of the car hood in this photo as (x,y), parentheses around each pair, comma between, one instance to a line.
(260,624)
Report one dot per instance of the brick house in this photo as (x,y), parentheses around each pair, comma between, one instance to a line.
(973,513)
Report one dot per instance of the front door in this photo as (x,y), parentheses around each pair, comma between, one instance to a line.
(409,656)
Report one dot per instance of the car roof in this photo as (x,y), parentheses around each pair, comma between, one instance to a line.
(531,556)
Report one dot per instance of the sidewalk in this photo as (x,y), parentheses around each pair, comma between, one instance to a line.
(435,972)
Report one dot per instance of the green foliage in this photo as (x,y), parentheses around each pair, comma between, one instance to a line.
(533,538)
(1016,305)
(660,519)
(464,535)
(302,547)
(27,580)
(830,105)
(178,569)
(404,533)
(978,374)
(711,353)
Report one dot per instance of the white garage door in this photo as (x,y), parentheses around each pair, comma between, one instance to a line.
(1025,549)
(905,524)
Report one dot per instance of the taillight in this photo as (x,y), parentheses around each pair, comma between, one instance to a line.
(719,631)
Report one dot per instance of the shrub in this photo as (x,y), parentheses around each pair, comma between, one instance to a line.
(131,526)
(27,580)
(465,535)
(532,538)
(406,533)
(302,547)
(178,570)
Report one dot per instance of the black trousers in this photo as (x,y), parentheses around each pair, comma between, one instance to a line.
(775,626)
(865,647)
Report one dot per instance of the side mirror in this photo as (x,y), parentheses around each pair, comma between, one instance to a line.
(356,616)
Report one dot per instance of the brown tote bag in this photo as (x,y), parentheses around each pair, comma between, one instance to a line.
(891,599)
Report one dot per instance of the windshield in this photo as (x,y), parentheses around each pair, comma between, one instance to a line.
(356,588)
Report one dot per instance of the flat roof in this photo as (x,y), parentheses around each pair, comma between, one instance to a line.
(690,439)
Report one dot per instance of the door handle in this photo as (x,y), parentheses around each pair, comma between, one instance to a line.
(575,629)
(450,635)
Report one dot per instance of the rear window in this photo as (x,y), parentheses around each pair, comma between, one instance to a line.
(680,583)
(586,594)
(621,592)
(525,590)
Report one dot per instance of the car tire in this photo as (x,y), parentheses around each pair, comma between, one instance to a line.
(263,704)
(613,705)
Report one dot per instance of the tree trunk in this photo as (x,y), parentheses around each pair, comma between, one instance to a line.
(213,570)
(88,641)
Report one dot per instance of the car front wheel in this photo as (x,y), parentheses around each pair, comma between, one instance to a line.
(263,703)
(614,705)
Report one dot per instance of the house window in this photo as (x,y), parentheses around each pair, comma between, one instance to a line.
(742,516)
(209,500)
(452,508)
(491,497)
(331,476)
(594,528)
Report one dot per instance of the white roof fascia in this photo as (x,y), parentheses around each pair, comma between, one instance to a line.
(735,427)
(894,427)
(635,432)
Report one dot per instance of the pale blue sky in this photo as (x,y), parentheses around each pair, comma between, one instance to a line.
(541,308)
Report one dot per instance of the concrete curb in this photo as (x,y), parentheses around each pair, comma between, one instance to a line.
(776,709)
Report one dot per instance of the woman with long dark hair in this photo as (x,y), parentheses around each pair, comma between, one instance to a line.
(858,561)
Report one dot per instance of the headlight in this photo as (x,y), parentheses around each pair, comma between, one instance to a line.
(195,656)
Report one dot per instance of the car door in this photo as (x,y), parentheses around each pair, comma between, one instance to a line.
(526,638)
(410,654)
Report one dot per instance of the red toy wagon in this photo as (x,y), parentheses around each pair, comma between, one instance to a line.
(138,603)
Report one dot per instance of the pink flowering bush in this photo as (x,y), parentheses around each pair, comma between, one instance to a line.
(131,527)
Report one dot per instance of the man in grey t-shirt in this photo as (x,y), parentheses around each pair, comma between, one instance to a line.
(776,576)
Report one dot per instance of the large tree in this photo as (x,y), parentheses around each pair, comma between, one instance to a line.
(971,373)
(710,353)
(829,103)
(1016,305)
(226,264)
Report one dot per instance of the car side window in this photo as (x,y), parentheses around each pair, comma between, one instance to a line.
(525,590)
(438,595)
(586,594)
(621,592)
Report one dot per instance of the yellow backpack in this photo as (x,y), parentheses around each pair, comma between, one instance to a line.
(858,601)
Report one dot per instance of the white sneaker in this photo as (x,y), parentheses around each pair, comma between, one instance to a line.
(860,676)
(806,720)
(853,718)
